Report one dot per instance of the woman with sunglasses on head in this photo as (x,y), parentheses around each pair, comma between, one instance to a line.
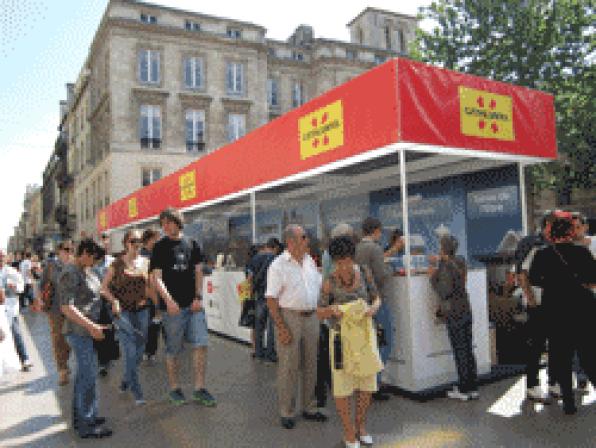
(78,292)
(47,300)
(126,287)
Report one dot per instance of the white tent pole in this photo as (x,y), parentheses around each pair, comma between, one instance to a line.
(253,216)
(523,198)
(404,208)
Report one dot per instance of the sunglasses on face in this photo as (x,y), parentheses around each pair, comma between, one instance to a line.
(67,249)
(135,241)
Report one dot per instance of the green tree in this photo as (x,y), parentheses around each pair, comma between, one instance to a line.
(541,44)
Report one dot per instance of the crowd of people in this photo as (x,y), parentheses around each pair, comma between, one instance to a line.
(326,321)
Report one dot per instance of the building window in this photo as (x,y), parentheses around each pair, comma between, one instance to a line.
(360,36)
(297,56)
(271,52)
(149,66)
(235,78)
(297,94)
(272,93)
(350,54)
(234,33)
(192,26)
(150,175)
(236,126)
(195,130)
(148,18)
(388,38)
(193,73)
(379,59)
(150,127)
(402,41)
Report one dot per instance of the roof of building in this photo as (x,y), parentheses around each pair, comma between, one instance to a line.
(383,11)
(192,13)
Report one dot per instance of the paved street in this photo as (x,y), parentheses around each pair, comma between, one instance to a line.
(35,412)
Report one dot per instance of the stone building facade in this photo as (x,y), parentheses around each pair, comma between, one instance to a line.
(162,87)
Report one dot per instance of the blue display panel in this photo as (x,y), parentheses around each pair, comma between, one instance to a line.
(477,208)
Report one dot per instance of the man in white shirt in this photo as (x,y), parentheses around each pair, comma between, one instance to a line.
(293,287)
(12,283)
(25,268)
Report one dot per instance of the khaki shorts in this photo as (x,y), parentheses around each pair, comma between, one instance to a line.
(344,384)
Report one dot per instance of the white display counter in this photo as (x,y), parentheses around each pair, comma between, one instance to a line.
(222,306)
(422,357)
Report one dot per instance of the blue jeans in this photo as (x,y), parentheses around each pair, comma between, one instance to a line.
(19,344)
(263,321)
(84,398)
(385,320)
(132,334)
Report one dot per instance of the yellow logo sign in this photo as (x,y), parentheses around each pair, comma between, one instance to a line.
(133,211)
(321,130)
(188,186)
(486,115)
(103,220)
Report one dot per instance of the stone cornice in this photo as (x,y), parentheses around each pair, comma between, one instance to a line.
(171,31)
(195,99)
(150,93)
(236,104)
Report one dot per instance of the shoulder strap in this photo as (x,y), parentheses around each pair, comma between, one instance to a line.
(569,270)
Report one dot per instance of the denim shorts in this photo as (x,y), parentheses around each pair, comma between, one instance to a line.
(185,326)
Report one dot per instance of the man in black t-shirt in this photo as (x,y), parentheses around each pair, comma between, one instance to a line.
(177,272)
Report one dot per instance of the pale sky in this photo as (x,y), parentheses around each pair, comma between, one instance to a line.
(42,47)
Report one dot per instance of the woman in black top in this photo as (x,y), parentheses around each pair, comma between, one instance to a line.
(567,273)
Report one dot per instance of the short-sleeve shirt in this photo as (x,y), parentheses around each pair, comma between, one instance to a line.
(296,286)
(80,289)
(177,259)
(365,289)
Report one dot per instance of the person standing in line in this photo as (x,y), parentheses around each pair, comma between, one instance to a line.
(49,286)
(448,279)
(536,326)
(370,253)
(15,262)
(27,274)
(150,237)
(263,320)
(348,283)
(12,283)
(293,285)
(126,287)
(78,290)
(567,274)
(107,348)
(323,358)
(176,267)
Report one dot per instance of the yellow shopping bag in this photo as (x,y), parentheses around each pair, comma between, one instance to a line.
(244,289)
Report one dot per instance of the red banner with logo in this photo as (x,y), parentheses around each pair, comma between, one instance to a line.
(445,108)
(399,101)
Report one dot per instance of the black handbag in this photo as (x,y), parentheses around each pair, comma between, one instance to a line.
(247,315)
(381,336)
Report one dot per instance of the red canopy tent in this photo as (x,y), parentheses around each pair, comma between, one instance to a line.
(401,104)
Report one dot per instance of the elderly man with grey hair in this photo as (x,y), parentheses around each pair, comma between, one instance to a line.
(293,286)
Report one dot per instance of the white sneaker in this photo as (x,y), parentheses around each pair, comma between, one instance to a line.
(474,395)
(355,444)
(554,391)
(536,394)
(457,395)
(366,440)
